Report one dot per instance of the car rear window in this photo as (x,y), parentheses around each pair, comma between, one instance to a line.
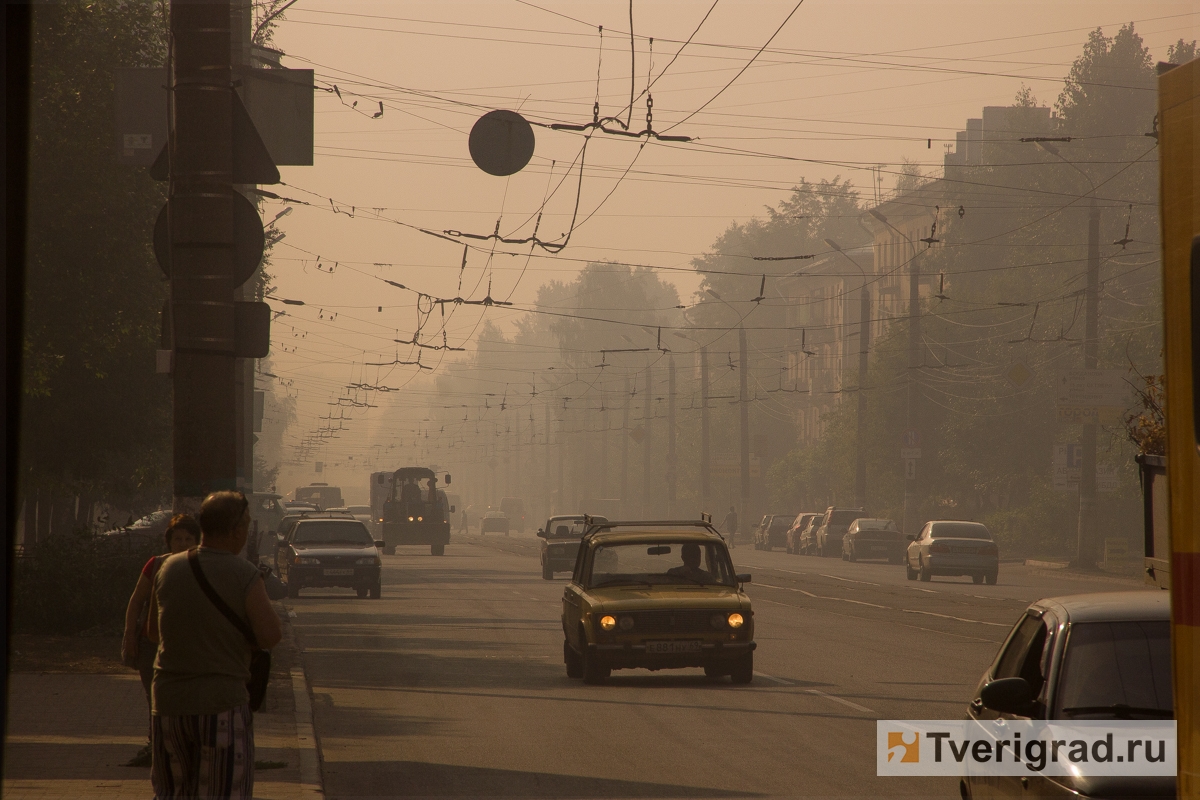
(960,530)
(1115,663)
(844,517)
(781,523)
(876,525)
(332,532)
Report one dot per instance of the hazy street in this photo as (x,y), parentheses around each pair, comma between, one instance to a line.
(453,683)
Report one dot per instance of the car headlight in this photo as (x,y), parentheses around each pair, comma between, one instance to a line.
(626,623)
(410,519)
(419,519)
(608,622)
(369,561)
(305,560)
(717,620)
(736,620)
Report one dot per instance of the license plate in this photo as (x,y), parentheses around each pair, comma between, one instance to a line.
(666,648)
(330,573)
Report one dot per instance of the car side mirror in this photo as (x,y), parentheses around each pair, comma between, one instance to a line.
(279,537)
(380,543)
(743,578)
(541,534)
(1007,695)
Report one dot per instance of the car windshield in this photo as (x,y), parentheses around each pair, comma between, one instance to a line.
(332,532)
(960,530)
(1114,669)
(660,563)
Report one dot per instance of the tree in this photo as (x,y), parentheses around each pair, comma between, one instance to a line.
(1110,88)
(97,419)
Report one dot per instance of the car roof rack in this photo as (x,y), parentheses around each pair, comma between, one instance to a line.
(592,527)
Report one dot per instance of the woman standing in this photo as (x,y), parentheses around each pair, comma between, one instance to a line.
(183,533)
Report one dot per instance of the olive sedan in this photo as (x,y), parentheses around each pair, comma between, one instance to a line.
(319,553)
(1104,656)
(656,596)
(951,547)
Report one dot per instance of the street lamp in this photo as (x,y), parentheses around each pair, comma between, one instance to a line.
(704,450)
(914,362)
(1084,534)
(864,332)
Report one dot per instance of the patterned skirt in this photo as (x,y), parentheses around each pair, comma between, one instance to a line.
(203,755)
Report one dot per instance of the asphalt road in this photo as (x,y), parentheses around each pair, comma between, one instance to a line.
(452,685)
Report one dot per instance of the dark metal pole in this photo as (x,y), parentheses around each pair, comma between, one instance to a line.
(546,464)
(603,449)
(647,442)
(1086,535)
(704,453)
(201,226)
(670,437)
(860,444)
(625,451)
(744,409)
(914,386)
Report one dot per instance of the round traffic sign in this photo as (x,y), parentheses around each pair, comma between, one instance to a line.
(249,240)
(501,142)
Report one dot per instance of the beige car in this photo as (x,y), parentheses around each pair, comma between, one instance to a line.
(953,548)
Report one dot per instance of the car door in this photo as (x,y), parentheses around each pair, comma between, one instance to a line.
(573,602)
(914,547)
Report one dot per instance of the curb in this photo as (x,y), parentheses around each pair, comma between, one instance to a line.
(307,744)
(1029,562)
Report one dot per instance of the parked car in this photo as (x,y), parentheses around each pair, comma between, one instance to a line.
(626,607)
(560,543)
(797,528)
(1102,656)
(808,536)
(772,532)
(329,551)
(494,522)
(827,538)
(953,547)
(874,538)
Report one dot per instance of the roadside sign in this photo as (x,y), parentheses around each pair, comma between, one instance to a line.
(911,438)
(910,452)
(1088,415)
(910,469)
(1106,478)
(1093,387)
(1018,374)
(637,434)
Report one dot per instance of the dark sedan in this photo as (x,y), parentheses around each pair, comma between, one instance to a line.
(319,553)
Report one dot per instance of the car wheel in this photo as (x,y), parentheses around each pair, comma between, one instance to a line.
(925,575)
(594,670)
(713,672)
(547,573)
(389,549)
(571,659)
(361,592)
(977,578)
(293,590)
(991,578)
(850,555)
(909,572)
(743,669)
(377,591)
(437,549)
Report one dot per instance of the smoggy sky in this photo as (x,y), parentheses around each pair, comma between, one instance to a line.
(844,86)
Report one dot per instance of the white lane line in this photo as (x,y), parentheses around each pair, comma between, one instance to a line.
(772,678)
(788,571)
(847,580)
(823,597)
(841,700)
(927,591)
(959,619)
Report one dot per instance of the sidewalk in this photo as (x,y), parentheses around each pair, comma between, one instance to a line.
(70,734)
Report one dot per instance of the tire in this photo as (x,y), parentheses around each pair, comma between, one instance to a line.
(713,672)
(547,573)
(361,592)
(293,590)
(925,575)
(377,591)
(572,661)
(437,549)
(977,578)
(991,578)
(850,555)
(909,572)
(594,670)
(389,549)
(743,670)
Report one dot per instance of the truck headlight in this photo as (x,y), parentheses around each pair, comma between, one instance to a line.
(736,620)
(608,622)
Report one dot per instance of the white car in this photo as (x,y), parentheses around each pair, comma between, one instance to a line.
(953,547)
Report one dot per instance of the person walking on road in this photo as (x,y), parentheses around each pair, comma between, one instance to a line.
(202,732)
(183,533)
(462,522)
(730,526)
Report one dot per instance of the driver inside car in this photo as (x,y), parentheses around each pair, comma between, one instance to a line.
(690,569)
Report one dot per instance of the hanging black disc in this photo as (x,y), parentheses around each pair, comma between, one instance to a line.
(501,142)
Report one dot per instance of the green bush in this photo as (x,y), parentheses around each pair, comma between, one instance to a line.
(70,584)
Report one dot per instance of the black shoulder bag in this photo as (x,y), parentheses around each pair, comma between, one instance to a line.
(260,660)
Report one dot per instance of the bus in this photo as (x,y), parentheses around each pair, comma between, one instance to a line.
(322,495)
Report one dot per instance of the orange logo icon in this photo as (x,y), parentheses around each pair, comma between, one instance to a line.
(909,752)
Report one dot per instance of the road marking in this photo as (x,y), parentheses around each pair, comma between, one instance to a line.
(886,608)
(927,591)
(841,700)
(772,678)
(789,571)
(959,619)
(848,580)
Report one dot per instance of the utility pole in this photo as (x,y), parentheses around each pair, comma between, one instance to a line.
(647,442)
(670,437)
(1085,537)
(603,448)
(561,506)
(546,464)
(200,219)
(625,450)
(864,342)
(914,385)
(704,453)
(744,409)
